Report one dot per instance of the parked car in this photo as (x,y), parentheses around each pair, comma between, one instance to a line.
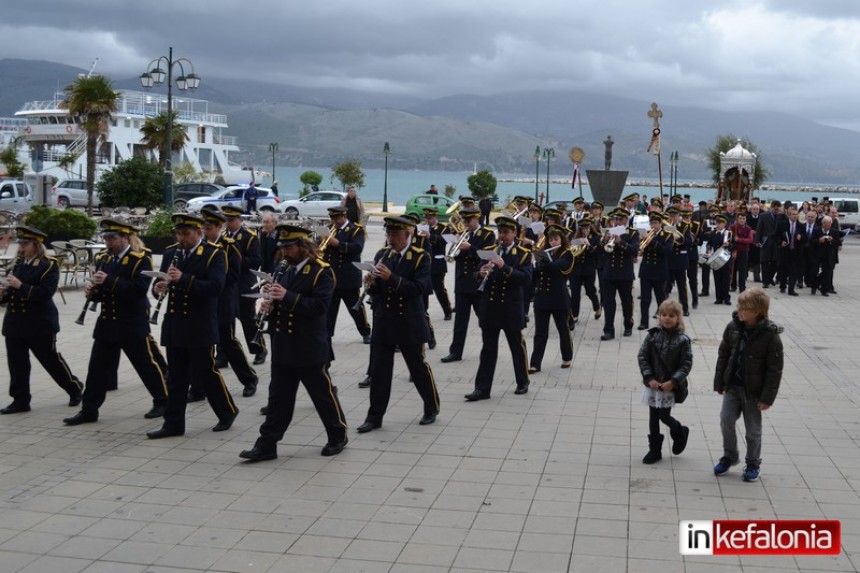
(849,211)
(71,193)
(417,203)
(185,191)
(233,195)
(313,204)
(15,196)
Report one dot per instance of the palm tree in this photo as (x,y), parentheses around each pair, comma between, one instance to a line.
(91,100)
(154,133)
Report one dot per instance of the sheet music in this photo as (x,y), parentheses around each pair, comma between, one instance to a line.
(618,230)
(488,255)
(322,231)
(538,227)
(423,228)
(366,266)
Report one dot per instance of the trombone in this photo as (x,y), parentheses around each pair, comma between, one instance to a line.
(454,248)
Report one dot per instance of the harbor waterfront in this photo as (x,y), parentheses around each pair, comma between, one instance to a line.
(404,184)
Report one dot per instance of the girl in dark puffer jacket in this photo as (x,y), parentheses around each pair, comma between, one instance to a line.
(665,360)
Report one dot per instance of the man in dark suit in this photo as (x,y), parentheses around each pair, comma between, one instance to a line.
(791,235)
(343,249)
(123,324)
(768,243)
(466,295)
(502,287)
(808,262)
(196,272)
(297,319)
(618,275)
(268,243)
(825,241)
(401,280)
(248,244)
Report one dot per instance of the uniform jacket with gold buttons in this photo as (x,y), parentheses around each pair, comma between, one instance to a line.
(550,281)
(654,264)
(124,306)
(191,319)
(30,310)
(436,246)
(468,263)
(228,300)
(618,265)
(398,303)
(586,263)
(351,243)
(681,247)
(298,322)
(502,300)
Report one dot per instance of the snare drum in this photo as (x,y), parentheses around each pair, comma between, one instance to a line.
(718,260)
(703,254)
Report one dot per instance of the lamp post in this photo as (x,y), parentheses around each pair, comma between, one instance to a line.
(537,169)
(386,150)
(673,159)
(273,147)
(156,76)
(548,153)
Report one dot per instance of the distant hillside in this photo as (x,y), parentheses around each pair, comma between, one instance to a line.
(318,127)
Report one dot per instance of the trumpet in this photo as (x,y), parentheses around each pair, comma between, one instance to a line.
(260,318)
(10,270)
(325,241)
(89,303)
(454,248)
(609,245)
(178,257)
(646,241)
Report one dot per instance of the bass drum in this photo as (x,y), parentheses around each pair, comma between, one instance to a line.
(719,259)
(641,224)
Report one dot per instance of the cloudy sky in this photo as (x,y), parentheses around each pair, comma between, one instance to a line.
(797,56)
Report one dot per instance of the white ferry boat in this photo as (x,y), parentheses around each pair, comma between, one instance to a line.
(49,136)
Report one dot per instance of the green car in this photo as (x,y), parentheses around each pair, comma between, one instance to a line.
(417,204)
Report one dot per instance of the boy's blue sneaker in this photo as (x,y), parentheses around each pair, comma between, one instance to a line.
(723,465)
(751,473)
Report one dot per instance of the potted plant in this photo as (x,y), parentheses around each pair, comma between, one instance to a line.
(159,234)
(61,225)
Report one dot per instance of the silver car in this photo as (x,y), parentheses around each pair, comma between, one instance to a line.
(15,196)
(234,195)
(313,204)
(71,193)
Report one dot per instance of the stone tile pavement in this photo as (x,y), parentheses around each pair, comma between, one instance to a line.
(550,481)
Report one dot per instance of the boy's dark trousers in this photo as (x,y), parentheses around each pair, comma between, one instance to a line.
(722,277)
(741,270)
(706,280)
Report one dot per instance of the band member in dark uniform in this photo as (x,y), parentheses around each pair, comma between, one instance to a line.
(248,244)
(585,270)
(618,274)
(340,252)
(654,267)
(599,221)
(721,237)
(678,260)
(32,322)
(694,228)
(123,324)
(228,307)
(466,295)
(552,298)
(502,285)
(708,226)
(196,273)
(268,243)
(438,266)
(297,323)
(402,278)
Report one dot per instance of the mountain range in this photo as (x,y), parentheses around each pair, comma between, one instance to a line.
(319,127)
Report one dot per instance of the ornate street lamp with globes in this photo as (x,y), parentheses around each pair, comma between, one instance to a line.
(548,153)
(186,81)
(537,170)
(386,150)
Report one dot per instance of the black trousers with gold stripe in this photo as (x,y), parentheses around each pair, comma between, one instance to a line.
(382,369)
(44,348)
(232,351)
(490,355)
(144,356)
(441,293)
(282,403)
(196,363)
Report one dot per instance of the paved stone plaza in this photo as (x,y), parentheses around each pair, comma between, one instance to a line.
(547,482)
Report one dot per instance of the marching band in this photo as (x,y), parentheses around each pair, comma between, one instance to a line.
(208,279)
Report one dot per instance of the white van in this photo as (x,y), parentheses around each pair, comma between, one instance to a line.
(849,211)
(15,196)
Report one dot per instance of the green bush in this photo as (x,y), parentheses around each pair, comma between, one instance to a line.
(61,223)
(161,225)
(133,183)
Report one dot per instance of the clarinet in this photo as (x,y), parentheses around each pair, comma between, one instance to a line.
(178,257)
(260,319)
(10,270)
(357,306)
(89,303)
(483,284)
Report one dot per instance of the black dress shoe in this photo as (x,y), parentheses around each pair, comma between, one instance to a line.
(628,332)
(258,454)
(451,358)
(14,408)
(164,433)
(264,411)
(824,293)
(76,398)
(642,327)
(792,293)
(447,317)
(812,290)
(365,383)
(194,397)
(782,290)
(534,369)
(831,291)
(607,336)
(366,339)
(221,364)
(334,448)
(686,313)
(477,395)
(82,417)
(225,424)
(250,389)
(157,411)
(260,358)
(521,390)
(727,302)
(432,344)
(427,419)
(695,304)
(368,426)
